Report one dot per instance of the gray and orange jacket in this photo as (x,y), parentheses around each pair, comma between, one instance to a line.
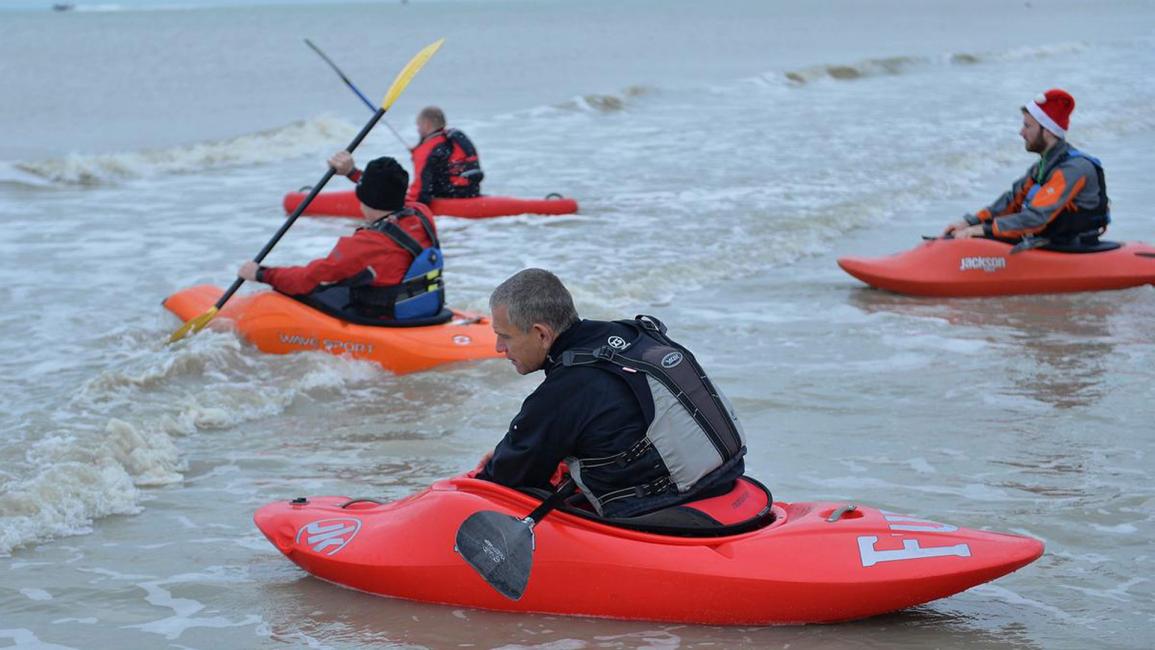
(1061,196)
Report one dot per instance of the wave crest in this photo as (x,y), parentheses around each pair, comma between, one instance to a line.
(900,64)
(296,139)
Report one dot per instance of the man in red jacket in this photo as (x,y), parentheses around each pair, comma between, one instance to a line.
(445,162)
(390,268)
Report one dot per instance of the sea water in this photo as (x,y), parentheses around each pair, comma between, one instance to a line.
(724,154)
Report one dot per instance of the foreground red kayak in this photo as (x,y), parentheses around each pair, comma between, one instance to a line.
(984,267)
(345,204)
(278,324)
(807,563)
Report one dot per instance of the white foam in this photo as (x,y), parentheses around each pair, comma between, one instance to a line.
(185,610)
(921,466)
(1006,595)
(36,594)
(559,644)
(1118,529)
(273,145)
(63,499)
(26,640)
(1119,593)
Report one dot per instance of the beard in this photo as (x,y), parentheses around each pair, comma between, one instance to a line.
(1036,144)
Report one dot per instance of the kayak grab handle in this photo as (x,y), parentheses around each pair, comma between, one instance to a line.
(360,500)
(837,514)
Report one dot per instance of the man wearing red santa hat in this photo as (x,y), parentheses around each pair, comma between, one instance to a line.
(1060,198)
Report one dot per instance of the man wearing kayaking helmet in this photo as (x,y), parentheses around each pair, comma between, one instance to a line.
(389,269)
(1062,198)
(630,412)
(445,162)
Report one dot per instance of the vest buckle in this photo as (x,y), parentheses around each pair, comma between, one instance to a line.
(604,353)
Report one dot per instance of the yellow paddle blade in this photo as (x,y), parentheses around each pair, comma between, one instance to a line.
(408,72)
(193,325)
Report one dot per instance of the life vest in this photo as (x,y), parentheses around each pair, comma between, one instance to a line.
(464,166)
(1083,221)
(421,292)
(692,430)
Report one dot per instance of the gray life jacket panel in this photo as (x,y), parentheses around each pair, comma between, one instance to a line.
(692,427)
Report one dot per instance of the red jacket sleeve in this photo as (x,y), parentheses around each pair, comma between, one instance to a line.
(341,264)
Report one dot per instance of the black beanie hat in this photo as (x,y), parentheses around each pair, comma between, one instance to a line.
(383,184)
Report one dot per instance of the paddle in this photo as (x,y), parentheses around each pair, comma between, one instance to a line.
(406,75)
(500,547)
(356,90)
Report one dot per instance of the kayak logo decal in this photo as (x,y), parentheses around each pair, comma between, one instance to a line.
(911,549)
(672,359)
(334,346)
(988,264)
(462,339)
(324,534)
(617,343)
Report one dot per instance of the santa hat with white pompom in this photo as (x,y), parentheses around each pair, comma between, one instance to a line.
(1052,110)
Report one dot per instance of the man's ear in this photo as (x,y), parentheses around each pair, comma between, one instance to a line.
(543,333)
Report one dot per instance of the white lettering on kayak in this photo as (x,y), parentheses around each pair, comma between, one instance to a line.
(336,346)
(988,264)
(324,533)
(298,340)
(911,550)
(341,347)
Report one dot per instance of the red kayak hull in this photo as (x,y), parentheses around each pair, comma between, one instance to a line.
(800,569)
(984,267)
(345,204)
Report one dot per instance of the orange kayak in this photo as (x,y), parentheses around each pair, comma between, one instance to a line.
(345,204)
(813,563)
(278,324)
(984,267)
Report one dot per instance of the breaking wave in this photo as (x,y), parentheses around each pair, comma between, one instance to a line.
(98,463)
(900,64)
(597,103)
(296,139)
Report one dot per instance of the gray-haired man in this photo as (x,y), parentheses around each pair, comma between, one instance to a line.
(630,412)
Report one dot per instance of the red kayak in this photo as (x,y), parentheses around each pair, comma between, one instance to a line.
(345,204)
(801,563)
(985,267)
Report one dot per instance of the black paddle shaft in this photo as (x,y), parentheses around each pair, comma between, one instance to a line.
(553,501)
(301,208)
(340,74)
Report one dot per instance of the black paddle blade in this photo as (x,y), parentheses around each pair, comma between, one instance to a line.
(500,548)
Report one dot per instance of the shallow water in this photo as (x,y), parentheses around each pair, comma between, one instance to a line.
(724,156)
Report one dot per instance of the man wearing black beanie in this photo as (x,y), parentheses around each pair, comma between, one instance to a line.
(364,275)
